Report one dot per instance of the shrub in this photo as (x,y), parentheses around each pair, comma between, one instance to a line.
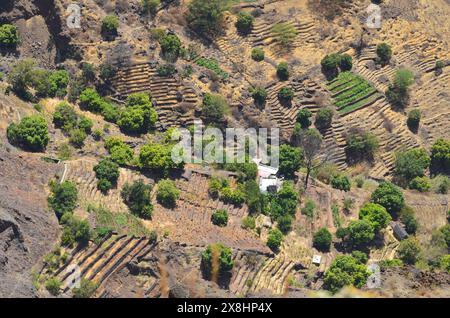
(413,119)
(411,164)
(341,183)
(376,214)
(407,216)
(206,16)
(150,6)
(167,193)
(360,233)
(322,240)
(158,157)
(445,263)
(274,239)
(139,116)
(284,223)
(345,271)
(170,47)
(137,197)
(440,156)
(259,95)
(390,197)
(253,196)
(65,117)
(21,76)
(53,285)
(360,257)
(444,185)
(324,118)
(215,108)
(75,230)
(284,34)
(217,254)
(244,23)
(409,250)
(248,222)
(63,198)
(107,173)
(88,72)
(330,64)
(30,134)
(303,118)
(220,217)
(91,100)
(86,290)
(283,71)
(110,24)
(384,53)
(398,92)
(166,70)
(438,67)
(215,186)
(77,137)
(58,82)
(345,62)
(421,184)
(120,152)
(285,201)
(309,208)
(85,124)
(359,181)
(258,54)
(9,35)
(286,94)
(232,196)
(361,145)
(291,159)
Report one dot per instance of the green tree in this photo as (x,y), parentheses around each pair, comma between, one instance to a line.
(232,196)
(360,233)
(384,53)
(361,145)
(253,196)
(274,239)
(304,118)
(120,152)
(345,271)
(390,197)
(77,137)
(412,163)
(324,118)
(413,120)
(53,285)
(291,159)
(244,23)
(283,71)
(409,251)
(322,239)
(345,62)
(285,201)
(86,290)
(30,134)
(63,197)
(215,108)
(258,54)
(286,94)
(259,95)
(167,193)
(220,217)
(206,16)
(65,116)
(158,157)
(170,47)
(217,254)
(421,184)
(137,197)
(341,182)
(9,35)
(139,116)
(150,6)
(407,216)
(110,24)
(284,223)
(107,173)
(398,92)
(330,65)
(91,100)
(376,215)
(440,156)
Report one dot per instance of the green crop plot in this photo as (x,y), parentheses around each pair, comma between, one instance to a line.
(350,92)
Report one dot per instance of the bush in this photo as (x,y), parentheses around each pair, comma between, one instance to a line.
(232,196)
(303,118)
(65,117)
(107,173)
(86,290)
(120,152)
(137,197)
(139,116)
(110,24)
(284,223)
(259,95)
(285,201)
(341,183)
(21,77)
(445,263)
(75,230)
(274,239)
(390,197)
(376,214)
(58,82)
(407,216)
(206,16)
(322,240)
(30,134)
(309,208)
(359,181)
(413,120)
(411,164)
(409,250)
(398,92)
(360,146)
(440,156)
(170,47)
(330,64)
(444,185)
(258,54)
(384,53)
(167,193)
(220,217)
(345,271)
(360,233)
(88,72)
(283,71)
(291,159)
(217,254)
(284,34)
(215,108)
(421,184)
(438,67)
(77,137)
(150,6)
(215,186)
(166,70)
(244,23)
(158,157)
(324,118)
(90,100)
(286,94)
(248,222)
(9,35)
(360,257)
(345,62)
(63,198)
(53,285)
(253,196)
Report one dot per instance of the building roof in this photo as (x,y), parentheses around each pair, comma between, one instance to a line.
(265,183)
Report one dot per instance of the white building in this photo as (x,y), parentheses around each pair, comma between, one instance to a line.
(268,180)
